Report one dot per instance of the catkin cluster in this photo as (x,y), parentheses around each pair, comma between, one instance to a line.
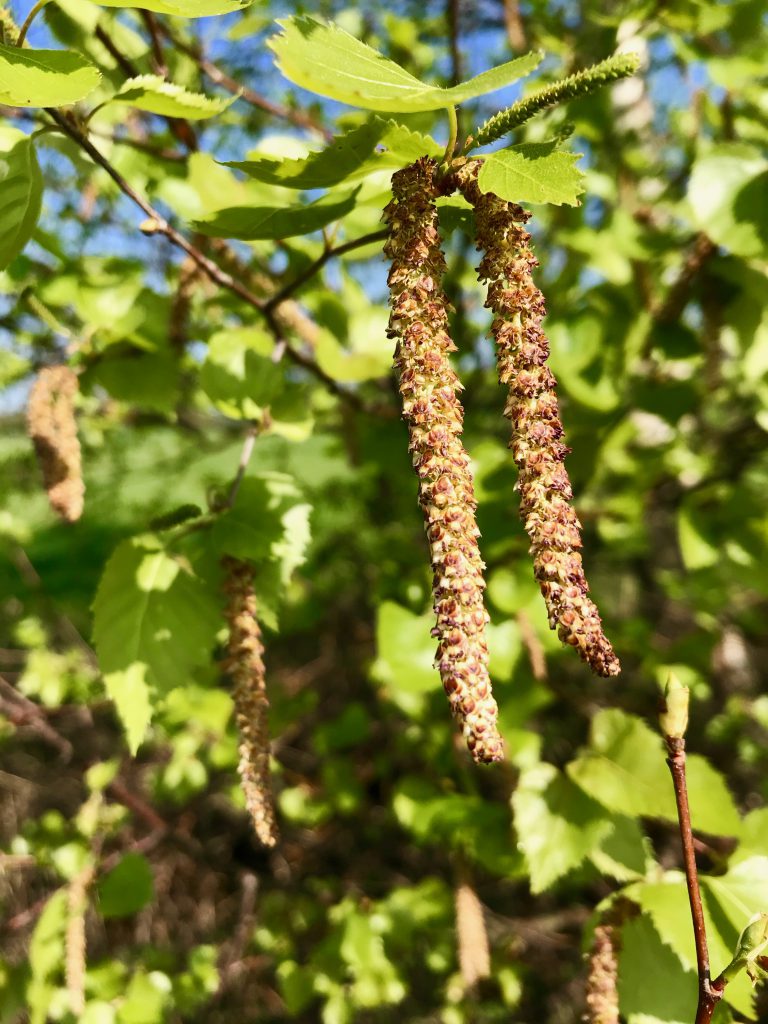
(52,426)
(431,408)
(245,666)
(532,407)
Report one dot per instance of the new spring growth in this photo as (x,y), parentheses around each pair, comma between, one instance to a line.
(621,65)
(673,718)
(245,667)
(431,408)
(751,950)
(532,407)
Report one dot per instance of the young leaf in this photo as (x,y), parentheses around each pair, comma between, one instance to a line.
(184,8)
(21,192)
(153,94)
(254,222)
(268,523)
(348,158)
(327,60)
(534,172)
(44,78)
(154,622)
(556,824)
(654,988)
(129,691)
(239,375)
(127,888)
(624,769)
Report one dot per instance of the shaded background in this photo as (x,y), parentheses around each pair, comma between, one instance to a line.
(656,291)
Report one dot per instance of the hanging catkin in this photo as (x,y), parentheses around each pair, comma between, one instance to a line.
(532,407)
(602,980)
(431,408)
(52,426)
(245,666)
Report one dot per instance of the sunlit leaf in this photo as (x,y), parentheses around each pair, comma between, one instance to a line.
(44,78)
(327,60)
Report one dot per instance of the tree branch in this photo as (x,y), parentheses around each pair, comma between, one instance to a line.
(293,286)
(219,77)
(710,993)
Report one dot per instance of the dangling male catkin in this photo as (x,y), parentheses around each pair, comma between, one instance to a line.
(532,407)
(52,426)
(428,386)
(245,666)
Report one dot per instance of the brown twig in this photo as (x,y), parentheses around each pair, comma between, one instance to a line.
(710,993)
(513,23)
(219,77)
(26,712)
(158,57)
(453,15)
(328,254)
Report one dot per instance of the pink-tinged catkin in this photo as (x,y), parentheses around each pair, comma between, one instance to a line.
(532,407)
(245,666)
(431,408)
(52,426)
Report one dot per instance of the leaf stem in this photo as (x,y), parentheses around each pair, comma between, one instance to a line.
(453,125)
(29,19)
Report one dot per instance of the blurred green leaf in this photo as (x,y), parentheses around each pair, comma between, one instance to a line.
(128,888)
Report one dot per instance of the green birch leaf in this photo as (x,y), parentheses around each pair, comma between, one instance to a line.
(184,8)
(654,988)
(329,61)
(269,523)
(259,222)
(405,655)
(534,172)
(21,192)
(127,888)
(153,94)
(375,146)
(44,78)
(556,824)
(129,691)
(728,196)
(153,621)
(239,375)
(624,769)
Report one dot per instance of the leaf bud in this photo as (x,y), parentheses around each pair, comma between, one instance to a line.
(674,709)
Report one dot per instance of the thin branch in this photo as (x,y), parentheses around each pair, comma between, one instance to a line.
(710,993)
(158,57)
(329,253)
(125,65)
(453,15)
(219,77)
(513,22)
(245,458)
(696,258)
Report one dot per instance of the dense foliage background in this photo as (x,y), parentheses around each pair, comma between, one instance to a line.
(657,293)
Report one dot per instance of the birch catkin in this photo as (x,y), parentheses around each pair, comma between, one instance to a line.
(245,666)
(52,426)
(431,408)
(532,407)
(602,980)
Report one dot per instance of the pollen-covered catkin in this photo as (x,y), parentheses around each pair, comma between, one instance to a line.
(245,666)
(428,387)
(52,426)
(532,407)
(602,980)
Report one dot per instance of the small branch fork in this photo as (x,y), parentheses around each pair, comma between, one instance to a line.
(710,992)
(157,224)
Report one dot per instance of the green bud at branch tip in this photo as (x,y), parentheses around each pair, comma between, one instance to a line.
(673,718)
